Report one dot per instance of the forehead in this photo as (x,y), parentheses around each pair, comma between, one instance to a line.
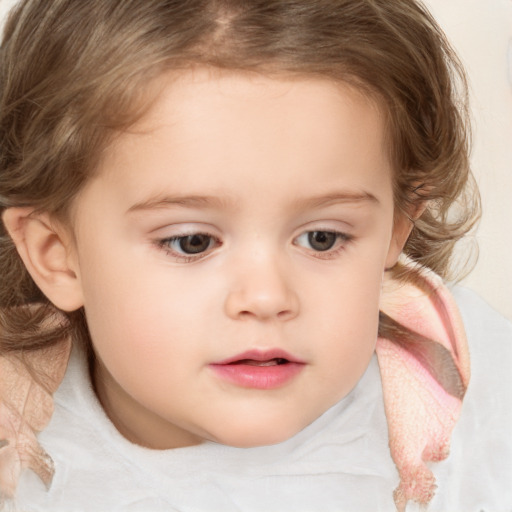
(250,95)
(223,130)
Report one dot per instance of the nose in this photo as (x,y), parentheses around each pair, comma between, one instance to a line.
(262,291)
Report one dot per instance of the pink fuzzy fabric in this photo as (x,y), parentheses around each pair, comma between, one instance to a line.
(27,382)
(423,380)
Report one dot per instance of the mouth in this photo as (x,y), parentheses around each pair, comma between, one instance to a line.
(268,369)
(272,362)
(270,357)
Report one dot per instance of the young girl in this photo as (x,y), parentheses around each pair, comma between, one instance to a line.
(211,201)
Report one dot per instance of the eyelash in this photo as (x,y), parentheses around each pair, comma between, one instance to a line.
(165,245)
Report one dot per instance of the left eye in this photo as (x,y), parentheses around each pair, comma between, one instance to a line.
(190,244)
(320,241)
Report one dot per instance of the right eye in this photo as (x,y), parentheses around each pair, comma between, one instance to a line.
(191,244)
(187,246)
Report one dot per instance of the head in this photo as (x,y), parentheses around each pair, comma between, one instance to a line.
(217,137)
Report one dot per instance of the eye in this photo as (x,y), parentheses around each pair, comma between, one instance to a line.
(188,245)
(193,244)
(321,241)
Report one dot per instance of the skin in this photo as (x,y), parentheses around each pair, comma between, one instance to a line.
(265,160)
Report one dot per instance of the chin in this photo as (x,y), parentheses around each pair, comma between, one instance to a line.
(252,436)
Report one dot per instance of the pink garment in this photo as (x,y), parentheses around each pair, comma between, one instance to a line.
(27,383)
(425,374)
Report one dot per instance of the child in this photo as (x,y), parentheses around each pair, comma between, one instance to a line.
(211,200)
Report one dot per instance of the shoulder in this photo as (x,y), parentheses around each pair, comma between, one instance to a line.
(490,343)
(489,337)
(478,473)
(81,443)
(479,315)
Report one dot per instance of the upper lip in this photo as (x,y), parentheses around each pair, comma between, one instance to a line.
(261,355)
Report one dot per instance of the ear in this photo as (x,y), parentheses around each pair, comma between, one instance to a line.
(47,250)
(402,227)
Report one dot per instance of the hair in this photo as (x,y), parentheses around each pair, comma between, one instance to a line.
(74,74)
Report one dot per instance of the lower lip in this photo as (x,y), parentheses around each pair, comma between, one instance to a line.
(258,377)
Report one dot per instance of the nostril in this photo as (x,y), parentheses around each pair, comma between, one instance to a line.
(284,315)
(261,301)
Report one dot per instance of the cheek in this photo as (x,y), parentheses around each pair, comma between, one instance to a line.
(129,317)
(350,330)
(347,323)
(147,319)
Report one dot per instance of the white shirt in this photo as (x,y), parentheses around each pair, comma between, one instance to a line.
(340,462)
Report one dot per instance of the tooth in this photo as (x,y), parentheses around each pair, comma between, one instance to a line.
(251,362)
(271,362)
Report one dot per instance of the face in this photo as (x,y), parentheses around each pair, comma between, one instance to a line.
(230,253)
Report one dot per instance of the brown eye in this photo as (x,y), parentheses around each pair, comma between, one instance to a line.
(194,244)
(188,248)
(322,240)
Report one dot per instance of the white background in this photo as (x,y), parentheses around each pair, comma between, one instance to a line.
(481,31)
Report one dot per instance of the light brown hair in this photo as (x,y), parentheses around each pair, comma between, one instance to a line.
(74,73)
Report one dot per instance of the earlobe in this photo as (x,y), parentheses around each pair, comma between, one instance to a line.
(45,249)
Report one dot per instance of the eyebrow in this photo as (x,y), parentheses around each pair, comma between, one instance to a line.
(325,200)
(215,202)
(194,201)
